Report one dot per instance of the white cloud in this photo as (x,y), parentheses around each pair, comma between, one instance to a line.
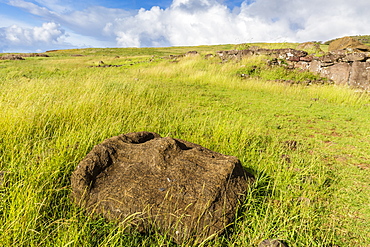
(196,22)
(32,38)
(90,21)
(56,5)
(32,8)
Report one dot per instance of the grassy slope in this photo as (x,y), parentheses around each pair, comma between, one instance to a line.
(365,39)
(54,110)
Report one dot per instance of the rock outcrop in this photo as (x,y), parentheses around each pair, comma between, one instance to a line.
(11,57)
(286,54)
(351,69)
(182,189)
(341,66)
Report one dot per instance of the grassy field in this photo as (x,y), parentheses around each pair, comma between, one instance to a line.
(308,146)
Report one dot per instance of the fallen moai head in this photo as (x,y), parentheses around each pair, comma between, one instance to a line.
(180,188)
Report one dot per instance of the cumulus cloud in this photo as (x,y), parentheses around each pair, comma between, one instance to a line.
(34,38)
(89,21)
(32,8)
(194,22)
(197,22)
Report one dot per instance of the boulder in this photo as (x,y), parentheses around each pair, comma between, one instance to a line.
(356,56)
(348,43)
(360,75)
(338,72)
(330,58)
(177,187)
(302,65)
(191,53)
(208,56)
(306,59)
(291,54)
(315,66)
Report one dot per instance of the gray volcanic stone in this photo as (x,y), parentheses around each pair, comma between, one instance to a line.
(360,75)
(181,188)
(339,73)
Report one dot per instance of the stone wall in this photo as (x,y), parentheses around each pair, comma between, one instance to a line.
(341,66)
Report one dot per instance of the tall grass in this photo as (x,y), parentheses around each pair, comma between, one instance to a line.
(303,144)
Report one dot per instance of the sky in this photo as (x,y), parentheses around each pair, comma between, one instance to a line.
(41,25)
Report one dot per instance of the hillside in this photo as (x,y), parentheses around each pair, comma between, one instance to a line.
(365,39)
(307,145)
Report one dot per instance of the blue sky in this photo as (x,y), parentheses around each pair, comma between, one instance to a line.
(40,25)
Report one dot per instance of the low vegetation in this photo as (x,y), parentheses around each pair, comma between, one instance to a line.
(308,146)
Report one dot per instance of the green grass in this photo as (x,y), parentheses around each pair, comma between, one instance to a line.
(307,146)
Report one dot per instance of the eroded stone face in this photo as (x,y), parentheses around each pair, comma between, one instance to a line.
(182,188)
(360,75)
(339,73)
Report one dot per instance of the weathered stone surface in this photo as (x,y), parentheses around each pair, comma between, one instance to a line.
(360,75)
(315,66)
(341,53)
(330,58)
(287,54)
(356,56)
(339,73)
(302,65)
(306,59)
(183,189)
